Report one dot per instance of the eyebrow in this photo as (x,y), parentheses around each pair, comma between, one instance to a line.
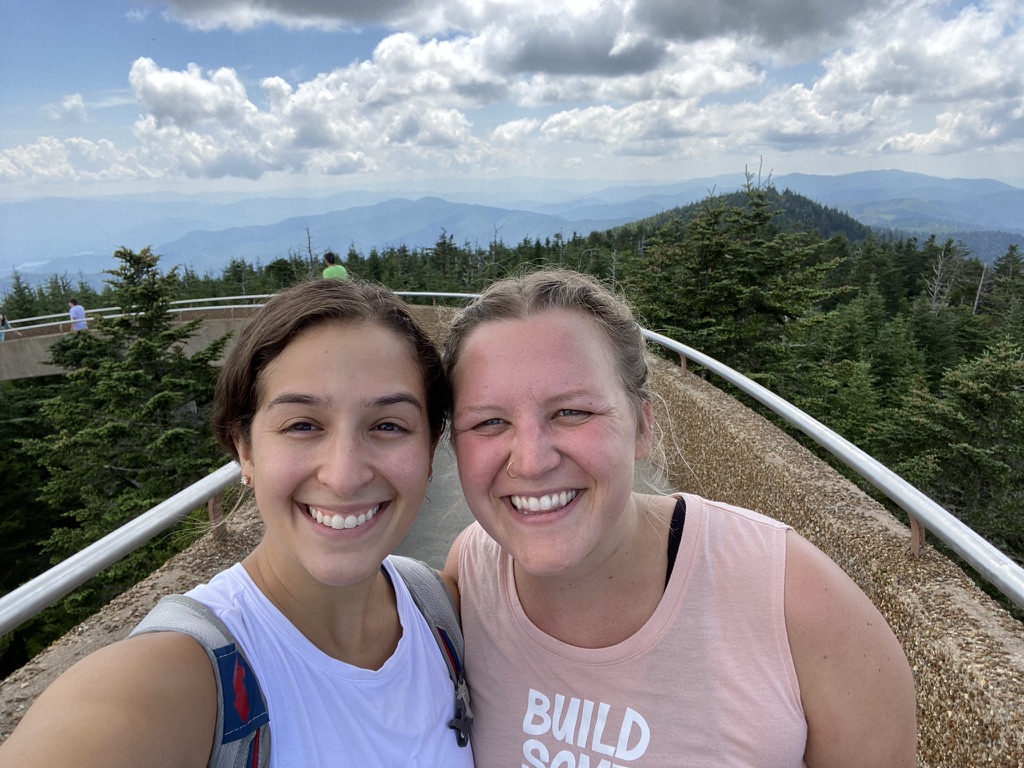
(317,401)
(547,402)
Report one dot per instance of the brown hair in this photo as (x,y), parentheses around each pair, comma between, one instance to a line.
(516,298)
(302,307)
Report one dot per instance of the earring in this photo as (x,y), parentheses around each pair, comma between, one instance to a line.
(508,471)
(244,481)
(430,477)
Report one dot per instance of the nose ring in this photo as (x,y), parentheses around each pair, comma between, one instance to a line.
(508,471)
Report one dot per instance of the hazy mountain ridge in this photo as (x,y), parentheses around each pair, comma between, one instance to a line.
(63,235)
(415,223)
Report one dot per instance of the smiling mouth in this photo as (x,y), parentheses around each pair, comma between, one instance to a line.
(342,521)
(548,503)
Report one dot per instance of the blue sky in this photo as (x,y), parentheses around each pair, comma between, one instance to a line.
(105,97)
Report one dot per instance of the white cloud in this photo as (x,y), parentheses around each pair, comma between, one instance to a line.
(239,15)
(515,131)
(513,84)
(189,97)
(71,109)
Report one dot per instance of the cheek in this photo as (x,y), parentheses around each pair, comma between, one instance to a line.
(278,463)
(476,461)
(408,464)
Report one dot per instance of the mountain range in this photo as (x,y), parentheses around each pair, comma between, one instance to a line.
(77,237)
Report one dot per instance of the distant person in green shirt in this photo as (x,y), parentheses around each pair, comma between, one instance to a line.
(334,269)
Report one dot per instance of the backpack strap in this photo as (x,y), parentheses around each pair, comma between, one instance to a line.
(242,737)
(435,602)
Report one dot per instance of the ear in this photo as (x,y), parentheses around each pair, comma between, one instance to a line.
(245,458)
(645,432)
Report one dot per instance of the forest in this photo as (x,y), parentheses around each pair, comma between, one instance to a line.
(911,349)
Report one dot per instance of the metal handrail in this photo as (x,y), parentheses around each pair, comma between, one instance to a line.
(213,299)
(29,599)
(996,567)
(1008,577)
(183,306)
(26,320)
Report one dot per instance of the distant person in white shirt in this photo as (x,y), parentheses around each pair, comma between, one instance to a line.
(77,314)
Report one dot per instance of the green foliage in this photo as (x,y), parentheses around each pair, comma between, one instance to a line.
(964,443)
(1003,302)
(126,422)
(729,282)
(20,299)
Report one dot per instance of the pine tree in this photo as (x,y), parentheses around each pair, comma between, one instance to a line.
(1005,301)
(964,445)
(127,419)
(20,301)
(729,282)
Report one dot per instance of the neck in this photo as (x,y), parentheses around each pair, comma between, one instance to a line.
(357,624)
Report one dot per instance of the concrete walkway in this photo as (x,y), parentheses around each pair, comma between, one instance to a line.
(443,515)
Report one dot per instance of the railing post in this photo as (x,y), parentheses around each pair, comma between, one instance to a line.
(215,510)
(917,536)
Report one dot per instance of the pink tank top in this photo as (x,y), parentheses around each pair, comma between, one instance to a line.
(707,681)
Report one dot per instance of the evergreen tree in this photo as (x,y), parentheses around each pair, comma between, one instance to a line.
(26,520)
(1005,300)
(19,300)
(127,420)
(964,445)
(729,283)
(896,362)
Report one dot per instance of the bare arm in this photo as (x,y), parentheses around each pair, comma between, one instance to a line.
(453,588)
(856,685)
(451,566)
(149,701)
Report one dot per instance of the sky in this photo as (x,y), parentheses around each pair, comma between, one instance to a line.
(106,97)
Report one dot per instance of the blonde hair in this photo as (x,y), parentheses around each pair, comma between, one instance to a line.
(519,297)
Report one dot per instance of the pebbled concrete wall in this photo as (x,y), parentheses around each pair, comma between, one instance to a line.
(966,651)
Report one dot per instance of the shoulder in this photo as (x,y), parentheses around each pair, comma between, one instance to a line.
(452,584)
(451,563)
(470,549)
(153,696)
(856,685)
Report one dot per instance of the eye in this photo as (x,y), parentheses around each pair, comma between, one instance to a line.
(491,426)
(571,413)
(391,428)
(301,427)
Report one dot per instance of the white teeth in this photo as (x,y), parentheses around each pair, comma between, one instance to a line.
(543,503)
(342,521)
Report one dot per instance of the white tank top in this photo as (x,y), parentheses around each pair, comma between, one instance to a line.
(324,712)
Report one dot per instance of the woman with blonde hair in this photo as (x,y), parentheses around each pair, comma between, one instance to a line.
(607,627)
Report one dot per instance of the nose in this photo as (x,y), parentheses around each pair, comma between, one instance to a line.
(345,464)
(533,451)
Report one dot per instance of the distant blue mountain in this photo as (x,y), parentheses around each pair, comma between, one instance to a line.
(79,236)
(915,203)
(415,223)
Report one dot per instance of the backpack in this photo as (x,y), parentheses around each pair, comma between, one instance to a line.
(242,737)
